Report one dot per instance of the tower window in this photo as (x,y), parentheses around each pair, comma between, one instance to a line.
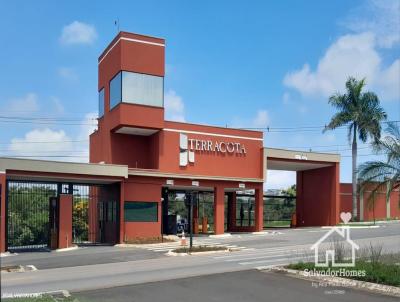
(101,102)
(137,88)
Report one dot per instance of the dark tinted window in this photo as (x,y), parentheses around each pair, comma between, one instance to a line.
(140,211)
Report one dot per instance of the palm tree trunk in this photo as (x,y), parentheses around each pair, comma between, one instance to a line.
(354,171)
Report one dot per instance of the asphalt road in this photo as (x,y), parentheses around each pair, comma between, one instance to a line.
(83,256)
(249,286)
(284,238)
(260,251)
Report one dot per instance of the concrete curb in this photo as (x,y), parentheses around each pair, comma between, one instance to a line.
(339,281)
(266,233)
(20,269)
(140,245)
(7,254)
(72,248)
(225,235)
(126,245)
(171,253)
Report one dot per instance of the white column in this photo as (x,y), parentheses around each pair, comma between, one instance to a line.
(387,202)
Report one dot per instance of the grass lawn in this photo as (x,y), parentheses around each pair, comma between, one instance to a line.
(277,224)
(387,273)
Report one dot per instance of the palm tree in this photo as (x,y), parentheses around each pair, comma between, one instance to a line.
(362,114)
(384,174)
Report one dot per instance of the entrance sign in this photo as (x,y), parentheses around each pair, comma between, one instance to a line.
(188,147)
(217,146)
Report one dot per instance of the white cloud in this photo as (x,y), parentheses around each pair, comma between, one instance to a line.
(68,73)
(174,107)
(261,120)
(280,179)
(34,143)
(379,17)
(25,104)
(89,125)
(55,144)
(78,33)
(351,55)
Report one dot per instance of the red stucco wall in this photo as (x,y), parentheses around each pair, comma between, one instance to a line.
(379,206)
(317,202)
(138,190)
(65,222)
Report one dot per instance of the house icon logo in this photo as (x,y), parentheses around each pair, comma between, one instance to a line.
(344,233)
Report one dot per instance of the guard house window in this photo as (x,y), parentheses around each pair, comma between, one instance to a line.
(140,211)
(101,102)
(137,88)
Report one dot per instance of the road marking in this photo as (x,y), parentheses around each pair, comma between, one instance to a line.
(262,257)
(266,261)
(267,250)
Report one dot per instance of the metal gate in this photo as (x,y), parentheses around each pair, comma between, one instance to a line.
(28,214)
(94,214)
(278,210)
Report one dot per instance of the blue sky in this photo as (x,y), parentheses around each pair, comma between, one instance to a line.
(235,63)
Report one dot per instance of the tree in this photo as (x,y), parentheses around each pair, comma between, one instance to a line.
(291,191)
(383,175)
(362,114)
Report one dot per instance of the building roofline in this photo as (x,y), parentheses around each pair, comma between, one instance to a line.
(218,127)
(287,154)
(129,35)
(48,166)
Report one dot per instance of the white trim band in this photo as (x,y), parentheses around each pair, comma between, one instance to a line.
(131,40)
(134,172)
(213,134)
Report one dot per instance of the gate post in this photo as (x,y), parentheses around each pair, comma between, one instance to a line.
(3,212)
(219,207)
(65,221)
(259,211)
